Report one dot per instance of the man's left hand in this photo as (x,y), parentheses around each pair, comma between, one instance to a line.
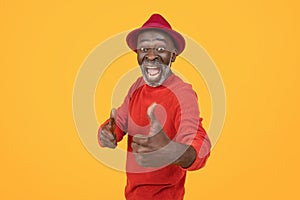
(153,150)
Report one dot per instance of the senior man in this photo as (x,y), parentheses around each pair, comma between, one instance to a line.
(161,116)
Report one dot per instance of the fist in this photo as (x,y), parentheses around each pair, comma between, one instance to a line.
(107,133)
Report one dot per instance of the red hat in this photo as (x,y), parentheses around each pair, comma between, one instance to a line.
(156,21)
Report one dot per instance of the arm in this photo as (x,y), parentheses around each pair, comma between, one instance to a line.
(187,158)
(195,155)
(189,149)
(158,149)
(120,117)
(191,132)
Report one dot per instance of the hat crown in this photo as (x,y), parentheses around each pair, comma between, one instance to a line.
(156,20)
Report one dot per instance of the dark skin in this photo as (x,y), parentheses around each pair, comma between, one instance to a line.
(155,39)
(153,45)
(107,134)
(156,149)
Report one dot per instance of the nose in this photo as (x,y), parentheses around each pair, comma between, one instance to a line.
(151,55)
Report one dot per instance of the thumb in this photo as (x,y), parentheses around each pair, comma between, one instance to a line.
(155,126)
(112,119)
(150,112)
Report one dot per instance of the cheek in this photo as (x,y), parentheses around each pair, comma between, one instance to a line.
(140,58)
(166,59)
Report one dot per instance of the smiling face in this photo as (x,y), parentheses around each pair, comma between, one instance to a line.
(155,52)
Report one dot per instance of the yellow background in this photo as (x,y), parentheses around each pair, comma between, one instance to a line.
(255,45)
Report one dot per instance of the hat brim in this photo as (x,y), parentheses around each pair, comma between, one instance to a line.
(177,38)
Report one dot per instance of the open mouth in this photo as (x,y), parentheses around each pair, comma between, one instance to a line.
(153,71)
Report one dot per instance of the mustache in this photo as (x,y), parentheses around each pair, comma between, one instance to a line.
(152,62)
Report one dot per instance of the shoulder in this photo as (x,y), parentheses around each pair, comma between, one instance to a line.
(179,87)
(136,85)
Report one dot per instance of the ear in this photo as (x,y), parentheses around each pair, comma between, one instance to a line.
(174,55)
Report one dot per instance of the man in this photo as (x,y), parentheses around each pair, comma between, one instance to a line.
(161,116)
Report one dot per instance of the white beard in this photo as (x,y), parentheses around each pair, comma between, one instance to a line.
(160,72)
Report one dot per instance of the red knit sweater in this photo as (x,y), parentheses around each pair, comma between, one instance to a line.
(178,112)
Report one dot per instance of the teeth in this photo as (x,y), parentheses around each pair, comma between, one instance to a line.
(152,71)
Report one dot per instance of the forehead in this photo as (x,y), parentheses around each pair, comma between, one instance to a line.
(152,35)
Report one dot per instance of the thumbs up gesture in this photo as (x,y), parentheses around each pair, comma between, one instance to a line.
(107,134)
(146,148)
(155,126)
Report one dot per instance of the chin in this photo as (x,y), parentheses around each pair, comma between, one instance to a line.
(155,76)
(154,83)
(154,80)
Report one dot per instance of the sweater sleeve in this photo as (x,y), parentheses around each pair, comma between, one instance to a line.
(122,114)
(190,130)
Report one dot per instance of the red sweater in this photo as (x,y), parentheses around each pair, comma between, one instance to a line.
(178,112)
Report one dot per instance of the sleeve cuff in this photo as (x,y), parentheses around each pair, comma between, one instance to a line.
(200,159)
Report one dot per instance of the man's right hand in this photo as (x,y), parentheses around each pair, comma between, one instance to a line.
(107,133)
